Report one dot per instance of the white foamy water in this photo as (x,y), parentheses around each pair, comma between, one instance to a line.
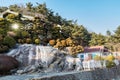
(43,54)
(29,54)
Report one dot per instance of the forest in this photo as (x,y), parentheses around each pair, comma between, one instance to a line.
(49,27)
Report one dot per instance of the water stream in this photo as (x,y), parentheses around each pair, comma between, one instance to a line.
(33,54)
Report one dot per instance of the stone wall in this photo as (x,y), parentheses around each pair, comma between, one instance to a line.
(99,74)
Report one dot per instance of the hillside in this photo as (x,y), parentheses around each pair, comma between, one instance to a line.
(46,26)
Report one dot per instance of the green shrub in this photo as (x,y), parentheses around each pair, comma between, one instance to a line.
(19,40)
(37,41)
(3,49)
(9,41)
(110,58)
(2,22)
(25,34)
(22,41)
(1,39)
(110,64)
(97,58)
(11,16)
(28,40)
(2,19)
(2,31)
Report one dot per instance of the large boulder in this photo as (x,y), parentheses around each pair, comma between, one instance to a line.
(7,63)
(39,58)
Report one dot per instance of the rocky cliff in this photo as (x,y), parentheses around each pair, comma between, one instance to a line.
(37,58)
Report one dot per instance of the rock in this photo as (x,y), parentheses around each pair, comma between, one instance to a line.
(45,55)
(20,71)
(31,69)
(40,59)
(7,63)
(13,71)
(54,66)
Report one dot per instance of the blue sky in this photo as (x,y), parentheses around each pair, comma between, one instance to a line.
(96,15)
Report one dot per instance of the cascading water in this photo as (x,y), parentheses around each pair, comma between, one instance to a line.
(44,55)
(41,58)
(31,55)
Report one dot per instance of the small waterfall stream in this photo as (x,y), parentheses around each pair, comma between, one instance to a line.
(44,55)
(29,54)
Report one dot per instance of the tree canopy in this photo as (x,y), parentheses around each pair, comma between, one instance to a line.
(48,25)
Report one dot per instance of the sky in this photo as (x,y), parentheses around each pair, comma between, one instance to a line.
(96,15)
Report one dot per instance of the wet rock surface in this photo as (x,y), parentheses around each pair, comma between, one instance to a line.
(7,63)
(34,58)
(99,74)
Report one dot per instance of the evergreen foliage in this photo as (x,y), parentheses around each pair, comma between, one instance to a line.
(48,25)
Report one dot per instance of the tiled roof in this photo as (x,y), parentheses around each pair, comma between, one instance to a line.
(94,49)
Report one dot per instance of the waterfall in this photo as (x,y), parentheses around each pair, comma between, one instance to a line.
(35,57)
(29,54)
(12,52)
(43,55)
